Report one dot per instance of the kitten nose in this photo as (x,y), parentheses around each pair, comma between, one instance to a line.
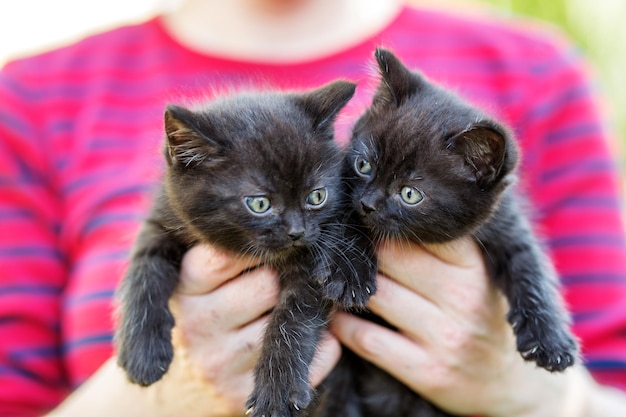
(294,224)
(367,207)
(296,235)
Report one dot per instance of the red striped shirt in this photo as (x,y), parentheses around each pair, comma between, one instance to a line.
(80,133)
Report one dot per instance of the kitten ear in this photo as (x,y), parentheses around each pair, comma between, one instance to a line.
(185,144)
(397,81)
(487,151)
(324,103)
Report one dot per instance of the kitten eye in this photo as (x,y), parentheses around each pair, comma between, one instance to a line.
(362,166)
(317,197)
(411,195)
(258,204)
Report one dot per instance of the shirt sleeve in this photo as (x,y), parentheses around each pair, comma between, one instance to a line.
(32,265)
(574,180)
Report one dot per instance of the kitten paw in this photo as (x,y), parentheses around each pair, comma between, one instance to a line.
(145,352)
(547,358)
(267,402)
(351,286)
(147,361)
(551,347)
(349,296)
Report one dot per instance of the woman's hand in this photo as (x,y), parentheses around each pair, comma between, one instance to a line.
(454,345)
(221,306)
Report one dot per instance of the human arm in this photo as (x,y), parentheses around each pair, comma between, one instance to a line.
(455,346)
(33,271)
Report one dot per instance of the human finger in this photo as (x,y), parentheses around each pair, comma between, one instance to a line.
(463,252)
(204,268)
(325,359)
(235,353)
(391,351)
(234,304)
(406,309)
(447,305)
(410,265)
(433,270)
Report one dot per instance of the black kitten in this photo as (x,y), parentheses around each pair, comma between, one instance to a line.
(427,167)
(252,174)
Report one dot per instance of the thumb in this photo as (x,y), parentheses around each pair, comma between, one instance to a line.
(463,252)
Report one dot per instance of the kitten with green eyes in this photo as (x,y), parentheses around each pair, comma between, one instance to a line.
(252,174)
(425,166)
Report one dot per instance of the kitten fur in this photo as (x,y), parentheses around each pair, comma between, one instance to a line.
(426,167)
(253,174)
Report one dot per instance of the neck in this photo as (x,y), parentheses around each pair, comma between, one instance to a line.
(277,31)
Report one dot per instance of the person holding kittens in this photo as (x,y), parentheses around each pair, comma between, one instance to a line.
(80,131)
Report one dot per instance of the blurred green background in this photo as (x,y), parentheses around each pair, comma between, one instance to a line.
(598,27)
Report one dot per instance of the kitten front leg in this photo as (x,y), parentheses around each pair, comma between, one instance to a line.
(350,277)
(524,274)
(143,335)
(281,386)
(541,327)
